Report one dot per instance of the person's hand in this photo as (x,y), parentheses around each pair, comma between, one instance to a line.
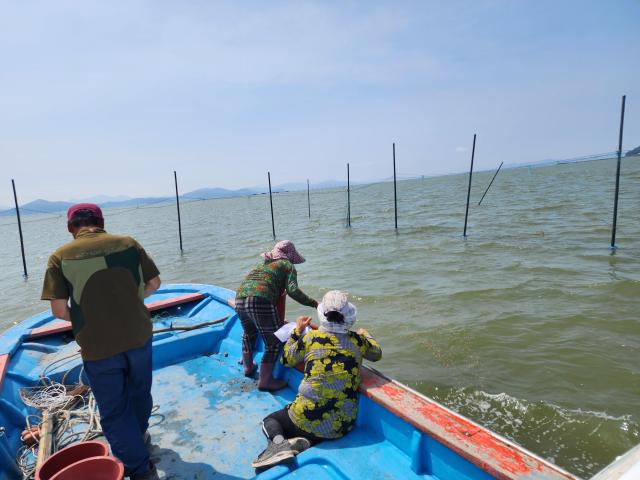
(301,324)
(362,331)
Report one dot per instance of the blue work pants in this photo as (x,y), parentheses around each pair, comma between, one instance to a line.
(121,385)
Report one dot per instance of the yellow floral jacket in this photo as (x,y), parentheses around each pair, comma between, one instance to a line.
(327,402)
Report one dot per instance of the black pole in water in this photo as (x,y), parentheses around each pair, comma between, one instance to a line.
(175,178)
(466,214)
(395,191)
(491,183)
(15,199)
(308,198)
(615,202)
(348,199)
(273,225)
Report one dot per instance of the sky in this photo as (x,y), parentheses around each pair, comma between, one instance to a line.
(111,97)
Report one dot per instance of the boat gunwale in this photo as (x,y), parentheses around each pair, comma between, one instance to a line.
(45,324)
(482,457)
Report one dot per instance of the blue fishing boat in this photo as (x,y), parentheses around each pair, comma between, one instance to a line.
(207,421)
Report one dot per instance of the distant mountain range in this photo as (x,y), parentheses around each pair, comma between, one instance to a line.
(101,199)
(635,151)
(40,206)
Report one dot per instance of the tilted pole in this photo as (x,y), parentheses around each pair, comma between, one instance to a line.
(175,178)
(348,198)
(466,214)
(308,198)
(615,202)
(490,183)
(395,190)
(273,225)
(15,199)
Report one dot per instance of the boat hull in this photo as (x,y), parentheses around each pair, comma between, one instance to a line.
(207,423)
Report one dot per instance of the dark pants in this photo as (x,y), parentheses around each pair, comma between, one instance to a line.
(259,315)
(122,387)
(279,423)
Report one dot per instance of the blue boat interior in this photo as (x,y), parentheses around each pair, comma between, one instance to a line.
(207,423)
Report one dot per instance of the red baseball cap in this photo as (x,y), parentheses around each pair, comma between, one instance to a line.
(88,207)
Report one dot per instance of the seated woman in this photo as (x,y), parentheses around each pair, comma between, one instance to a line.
(327,404)
(256,301)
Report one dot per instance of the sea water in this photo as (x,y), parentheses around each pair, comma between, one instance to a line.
(529,325)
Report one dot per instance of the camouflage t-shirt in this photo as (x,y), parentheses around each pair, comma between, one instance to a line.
(103,276)
(327,402)
(269,279)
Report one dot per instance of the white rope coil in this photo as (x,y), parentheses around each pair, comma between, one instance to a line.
(51,397)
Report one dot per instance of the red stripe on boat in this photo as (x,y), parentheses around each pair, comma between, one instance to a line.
(172,302)
(64,326)
(58,327)
(493,454)
(4,363)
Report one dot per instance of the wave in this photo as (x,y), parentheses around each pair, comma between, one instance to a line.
(581,441)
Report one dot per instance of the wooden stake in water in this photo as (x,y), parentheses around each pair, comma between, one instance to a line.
(491,183)
(175,179)
(15,199)
(466,214)
(273,225)
(308,198)
(615,202)
(395,191)
(348,199)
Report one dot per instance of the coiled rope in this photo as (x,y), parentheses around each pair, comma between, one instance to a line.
(75,418)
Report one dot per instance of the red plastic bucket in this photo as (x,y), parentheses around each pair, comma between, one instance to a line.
(70,455)
(94,468)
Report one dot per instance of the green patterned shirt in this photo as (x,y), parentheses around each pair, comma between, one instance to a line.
(269,279)
(327,402)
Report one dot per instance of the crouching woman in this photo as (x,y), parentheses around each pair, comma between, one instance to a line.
(327,403)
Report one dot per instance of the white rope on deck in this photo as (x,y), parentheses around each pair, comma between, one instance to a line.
(75,418)
(52,397)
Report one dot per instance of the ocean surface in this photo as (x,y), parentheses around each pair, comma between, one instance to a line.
(530,325)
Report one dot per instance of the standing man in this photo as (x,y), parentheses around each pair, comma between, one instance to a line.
(98,282)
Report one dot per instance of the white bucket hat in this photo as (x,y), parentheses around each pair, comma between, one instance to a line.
(336,301)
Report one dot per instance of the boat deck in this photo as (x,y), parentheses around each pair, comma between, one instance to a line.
(208,427)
